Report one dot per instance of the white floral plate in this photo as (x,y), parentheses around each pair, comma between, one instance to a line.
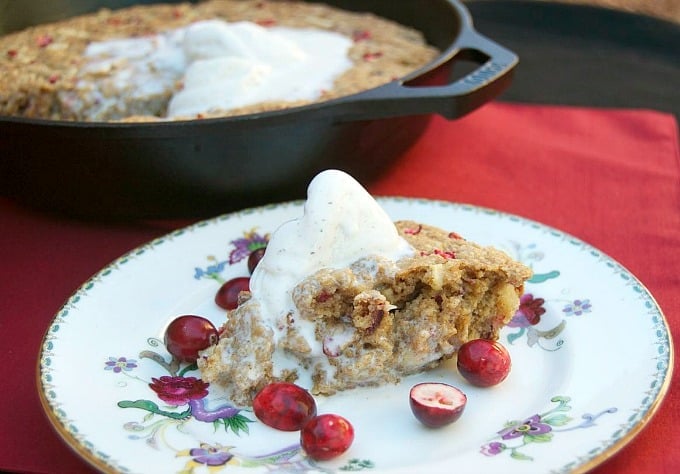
(591,351)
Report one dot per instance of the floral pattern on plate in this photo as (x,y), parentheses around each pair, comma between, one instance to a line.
(140,417)
(538,428)
(188,401)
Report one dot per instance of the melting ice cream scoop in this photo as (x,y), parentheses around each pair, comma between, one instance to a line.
(341,224)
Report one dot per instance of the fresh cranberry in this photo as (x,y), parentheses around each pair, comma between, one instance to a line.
(284,406)
(483,362)
(254,258)
(326,436)
(227,295)
(189,334)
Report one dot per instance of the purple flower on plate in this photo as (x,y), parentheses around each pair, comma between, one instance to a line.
(529,313)
(245,245)
(210,456)
(117,365)
(530,426)
(492,449)
(577,308)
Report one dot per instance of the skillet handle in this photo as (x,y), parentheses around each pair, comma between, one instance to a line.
(452,100)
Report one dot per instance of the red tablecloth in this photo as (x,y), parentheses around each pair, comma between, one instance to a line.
(609,177)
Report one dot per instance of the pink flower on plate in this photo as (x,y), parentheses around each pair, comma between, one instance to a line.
(178,391)
(491,449)
(529,313)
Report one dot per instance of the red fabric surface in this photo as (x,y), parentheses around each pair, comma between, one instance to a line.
(609,177)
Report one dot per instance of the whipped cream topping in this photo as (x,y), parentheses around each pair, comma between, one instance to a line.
(342,223)
(218,66)
(122,71)
(239,64)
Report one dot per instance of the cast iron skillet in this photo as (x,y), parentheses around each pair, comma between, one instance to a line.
(199,168)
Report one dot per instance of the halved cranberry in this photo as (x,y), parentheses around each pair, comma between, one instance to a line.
(436,404)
